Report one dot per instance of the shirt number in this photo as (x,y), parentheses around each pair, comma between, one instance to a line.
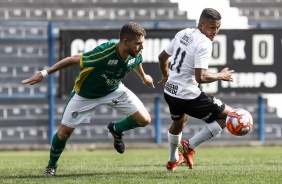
(176,61)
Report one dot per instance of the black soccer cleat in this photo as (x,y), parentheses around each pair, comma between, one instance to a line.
(118,141)
(50,171)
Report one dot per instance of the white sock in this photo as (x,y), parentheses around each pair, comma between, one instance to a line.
(173,140)
(209,131)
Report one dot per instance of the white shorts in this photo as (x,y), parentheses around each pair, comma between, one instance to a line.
(78,109)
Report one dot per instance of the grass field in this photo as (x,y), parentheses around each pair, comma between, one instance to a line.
(212,166)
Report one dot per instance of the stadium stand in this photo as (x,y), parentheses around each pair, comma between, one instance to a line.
(24,51)
(90,10)
(192,8)
(259,10)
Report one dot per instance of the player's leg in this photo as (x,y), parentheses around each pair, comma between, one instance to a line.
(126,102)
(213,127)
(59,142)
(187,147)
(174,137)
(78,110)
(212,111)
(139,119)
(58,145)
(175,133)
(221,119)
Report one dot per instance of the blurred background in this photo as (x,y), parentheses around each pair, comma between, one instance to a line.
(35,34)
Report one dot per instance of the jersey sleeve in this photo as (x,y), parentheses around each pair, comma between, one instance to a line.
(202,54)
(169,48)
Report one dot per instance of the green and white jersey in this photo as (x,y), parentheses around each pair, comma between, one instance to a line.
(102,70)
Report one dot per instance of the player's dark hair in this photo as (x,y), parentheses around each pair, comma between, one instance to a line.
(130,30)
(210,13)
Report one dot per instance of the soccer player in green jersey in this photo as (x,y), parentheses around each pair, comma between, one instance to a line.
(99,83)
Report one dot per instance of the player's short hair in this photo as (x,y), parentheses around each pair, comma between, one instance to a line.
(130,30)
(210,13)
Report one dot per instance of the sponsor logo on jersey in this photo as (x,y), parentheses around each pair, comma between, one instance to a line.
(112,62)
(186,40)
(171,88)
(130,62)
(110,82)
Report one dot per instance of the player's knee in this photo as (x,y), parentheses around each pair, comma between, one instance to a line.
(145,121)
(64,132)
(221,123)
(63,136)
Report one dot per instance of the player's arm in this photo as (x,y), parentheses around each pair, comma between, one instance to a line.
(163,62)
(202,56)
(64,63)
(147,79)
(205,76)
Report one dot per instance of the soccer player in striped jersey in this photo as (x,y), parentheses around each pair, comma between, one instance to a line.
(191,50)
(99,83)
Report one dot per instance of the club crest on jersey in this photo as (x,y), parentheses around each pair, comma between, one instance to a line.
(74,114)
(130,62)
(112,62)
(186,40)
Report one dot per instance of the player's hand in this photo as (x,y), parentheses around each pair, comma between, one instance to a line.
(227,74)
(148,81)
(163,80)
(34,79)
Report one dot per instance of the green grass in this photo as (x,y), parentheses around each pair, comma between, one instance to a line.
(212,166)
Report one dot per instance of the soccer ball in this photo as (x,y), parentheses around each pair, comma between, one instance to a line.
(239,122)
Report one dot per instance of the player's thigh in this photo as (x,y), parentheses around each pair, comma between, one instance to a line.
(141,117)
(78,110)
(204,107)
(224,113)
(176,111)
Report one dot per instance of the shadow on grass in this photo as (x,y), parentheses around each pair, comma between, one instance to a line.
(77,175)
(118,170)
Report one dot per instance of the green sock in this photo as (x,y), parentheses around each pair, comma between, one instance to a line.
(57,148)
(125,124)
